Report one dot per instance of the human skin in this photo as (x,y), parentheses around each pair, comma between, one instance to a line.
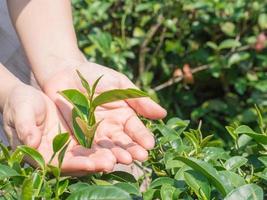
(31,118)
(54,56)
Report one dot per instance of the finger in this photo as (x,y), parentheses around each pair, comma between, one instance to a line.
(26,126)
(122,140)
(95,160)
(139,133)
(144,106)
(122,156)
(147,108)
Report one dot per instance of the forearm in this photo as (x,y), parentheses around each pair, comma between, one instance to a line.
(46,31)
(7,83)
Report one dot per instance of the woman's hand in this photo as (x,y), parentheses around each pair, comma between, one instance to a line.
(120,130)
(31,118)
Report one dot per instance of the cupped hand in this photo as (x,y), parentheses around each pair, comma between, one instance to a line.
(31,118)
(120,129)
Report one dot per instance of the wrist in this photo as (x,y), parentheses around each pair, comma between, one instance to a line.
(55,64)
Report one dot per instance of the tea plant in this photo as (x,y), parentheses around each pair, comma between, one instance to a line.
(185,164)
(84,105)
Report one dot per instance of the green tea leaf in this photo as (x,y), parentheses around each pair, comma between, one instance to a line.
(59,141)
(149,194)
(94,87)
(55,170)
(61,154)
(260,119)
(116,95)
(167,192)
(231,180)
(231,131)
(62,186)
(207,170)
(78,100)
(32,153)
(84,83)
(27,191)
(246,192)
(15,157)
(6,172)
(243,129)
(100,182)
(263,159)
(78,186)
(4,150)
(228,28)
(89,132)
(100,192)
(235,162)
(120,176)
(198,183)
(177,124)
(162,181)
(262,20)
(206,140)
(129,188)
(77,131)
(229,43)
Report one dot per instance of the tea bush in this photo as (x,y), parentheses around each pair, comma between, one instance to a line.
(152,41)
(183,165)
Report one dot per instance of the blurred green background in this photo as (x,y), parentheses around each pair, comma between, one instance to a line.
(201,59)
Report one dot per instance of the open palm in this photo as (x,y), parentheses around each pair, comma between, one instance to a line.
(32,118)
(120,129)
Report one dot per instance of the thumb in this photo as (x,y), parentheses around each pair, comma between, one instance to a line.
(144,106)
(26,126)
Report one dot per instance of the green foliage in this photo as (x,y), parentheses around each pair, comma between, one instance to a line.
(183,165)
(150,40)
(83,116)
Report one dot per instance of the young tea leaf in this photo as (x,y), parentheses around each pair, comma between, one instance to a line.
(116,95)
(32,153)
(84,127)
(78,100)
(89,132)
(92,132)
(59,141)
(84,83)
(78,133)
(94,87)
(61,154)
(231,131)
